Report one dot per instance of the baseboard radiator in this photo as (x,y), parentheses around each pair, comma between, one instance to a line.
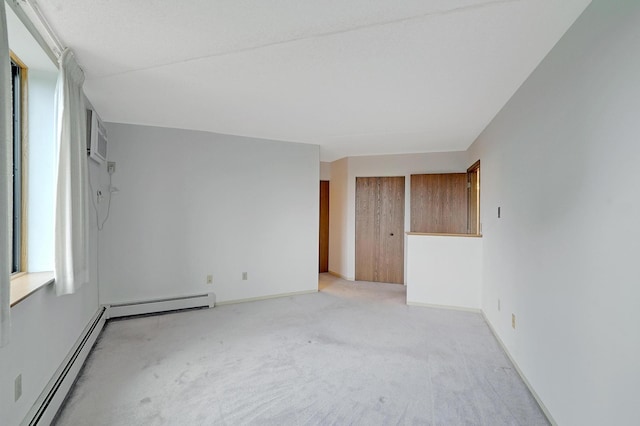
(54,394)
(52,397)
(117,310)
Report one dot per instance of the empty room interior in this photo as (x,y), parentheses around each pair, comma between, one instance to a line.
(296,212)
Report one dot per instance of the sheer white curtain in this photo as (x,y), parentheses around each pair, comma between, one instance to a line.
(72,208)
(6,164)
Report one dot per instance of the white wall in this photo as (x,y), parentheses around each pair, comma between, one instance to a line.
(325,170)
(374,166)
(444,271)
(561,160)
(196,203)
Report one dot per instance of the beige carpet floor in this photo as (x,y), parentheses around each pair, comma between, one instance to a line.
(353,353)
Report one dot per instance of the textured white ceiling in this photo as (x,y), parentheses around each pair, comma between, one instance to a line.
(356,77)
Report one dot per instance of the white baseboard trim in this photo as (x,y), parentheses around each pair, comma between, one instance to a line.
(116,310)
(453,308)
(336,274)
(50,400)
(273,296)
(520,373)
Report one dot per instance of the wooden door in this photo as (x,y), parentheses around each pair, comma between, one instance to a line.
(323,252)
(380,229)
(439,203)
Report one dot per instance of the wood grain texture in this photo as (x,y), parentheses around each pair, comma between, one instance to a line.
(366,228)
(323,250)
(379,229)
(24,197)
(473,178)
(439,203)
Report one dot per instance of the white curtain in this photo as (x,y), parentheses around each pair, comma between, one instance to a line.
(6,165)
(71,212)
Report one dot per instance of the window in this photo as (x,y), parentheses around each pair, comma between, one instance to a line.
(18,85)
(33,83)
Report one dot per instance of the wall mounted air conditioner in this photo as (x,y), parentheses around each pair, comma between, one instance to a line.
(96,137)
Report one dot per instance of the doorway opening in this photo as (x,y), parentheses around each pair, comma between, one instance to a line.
(323,249)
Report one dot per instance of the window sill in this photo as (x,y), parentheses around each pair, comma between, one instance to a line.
(23,285)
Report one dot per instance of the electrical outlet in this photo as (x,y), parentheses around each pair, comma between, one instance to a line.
(209,279)
(111,167)
(18,387)
(498,304)
(513,321)
(244,276)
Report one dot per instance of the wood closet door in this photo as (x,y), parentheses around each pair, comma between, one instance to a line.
(380,229)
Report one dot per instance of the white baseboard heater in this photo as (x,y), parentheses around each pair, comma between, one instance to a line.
(52,397)
(50,400)
(161,305)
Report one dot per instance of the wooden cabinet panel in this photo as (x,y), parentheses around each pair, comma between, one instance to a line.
(439,203)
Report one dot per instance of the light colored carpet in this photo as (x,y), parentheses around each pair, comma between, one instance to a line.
(353,353)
